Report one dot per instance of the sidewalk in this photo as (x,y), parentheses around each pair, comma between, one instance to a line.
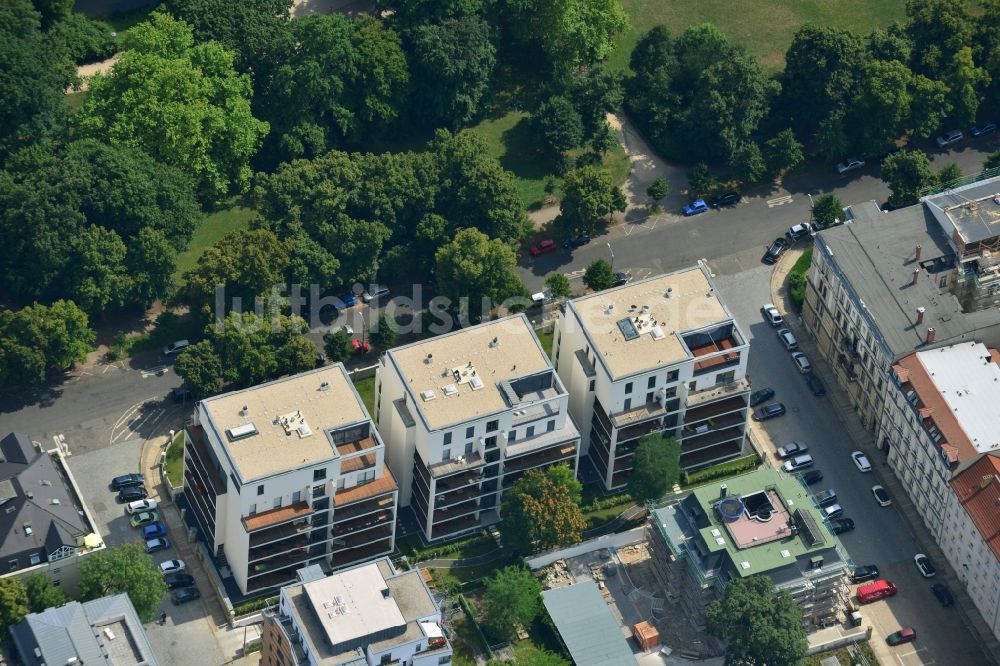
(864,441)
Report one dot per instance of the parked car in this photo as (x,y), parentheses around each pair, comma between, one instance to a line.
(811,477)
(175,347)
(815,385)
(774,410)
(797,463)
(154,531)
(774,251)
(905,635)
(181,394)
(861,461)
(826,497)
(984,129)
(156,545)
(374,292)
(881,496)
(730,198)
(943,594)
(761,396)
(879,589)
(126,481)
(797,231)
(863,573)
(841,525)
(802,363)
(144,518)
(788,339)
(176,580)
(172,567)
(139,506)
(791,449)
(571,243)
(925,566)
(349,300)
(850,164)
(622,277)
(771,315)
(132,494)
(833,511)
(184,595)
(695,207)
(948,138)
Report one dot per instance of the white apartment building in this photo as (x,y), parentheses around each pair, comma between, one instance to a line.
(658,355)
(942,411)
(464,415)
(368,615)
(286,474)
(971,537)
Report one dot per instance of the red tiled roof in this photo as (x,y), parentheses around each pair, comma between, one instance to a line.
(931,398)
(978,489)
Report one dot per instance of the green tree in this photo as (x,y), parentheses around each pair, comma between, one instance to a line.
(656,467)
(298,354)
(938,29)
(595,91)
(589,197)
(384,334)
(539,512)
(700,180)
(760,624)
(562,474)
(478,268)
(949,172)
(558,286)
(14,603)
(906,174)
(930,106)
(965,82)
(180,102)
(784,153)
(337,345)
(39,339)
(599,275)
(570,32)
(82,40)
(748,162)
(452,65)
(43,594)
(881,110)
(201,369)
(658,189)
(512,598)
(557,127)
(826,210)
(126,569)
(993,161)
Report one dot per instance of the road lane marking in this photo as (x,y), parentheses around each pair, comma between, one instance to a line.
(574,275)
(779,201)
(155,372)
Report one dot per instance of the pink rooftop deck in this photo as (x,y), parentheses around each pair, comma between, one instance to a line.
(747,532)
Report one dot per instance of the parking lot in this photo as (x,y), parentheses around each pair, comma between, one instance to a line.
(93,473)
(880,536)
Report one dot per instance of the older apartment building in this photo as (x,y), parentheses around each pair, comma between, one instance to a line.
(464,415)
(286,474)
(886,284)
(658,355)
(368,615)
(971,538)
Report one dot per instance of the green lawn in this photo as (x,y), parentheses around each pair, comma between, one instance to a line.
(545,337)
(213,227)
(463,652)
(175,461)
(366,389)
(764,27)
(599,517)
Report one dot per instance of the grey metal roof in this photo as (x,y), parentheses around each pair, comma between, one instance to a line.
(590,632)
(42,499)
(57,635)
(973,224)
(875,255)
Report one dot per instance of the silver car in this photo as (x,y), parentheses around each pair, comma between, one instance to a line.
(948,138)
(802,363)
(850,164)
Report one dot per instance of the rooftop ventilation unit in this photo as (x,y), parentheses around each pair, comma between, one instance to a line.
(657,333)
(428,359)
(476,383)
(427,395)
(495,342)
(325,386)
(55,500)
(449,390)
(44,482)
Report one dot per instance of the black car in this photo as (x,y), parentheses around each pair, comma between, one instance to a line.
(776,249)
(184,595)
(176,580)
(181,394)
(126,481)
(841,525)
(815,385)
(622,278)
(863,573)
(771,411)
(812,476)
(730,198)
(571,243)
(761,396)
(132,494)
(943,594)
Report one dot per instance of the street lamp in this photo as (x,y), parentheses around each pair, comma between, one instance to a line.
(612,256)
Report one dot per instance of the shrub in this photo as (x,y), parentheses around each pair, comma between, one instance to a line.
(797,279)
(84,40)
(721,471)
(253,605)
(608,502)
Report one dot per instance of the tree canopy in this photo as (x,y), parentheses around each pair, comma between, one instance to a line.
(827,208)
(43,594)
(655,467)
(598,275)
(540,512)
(512,598)
(907,173)
(570,32)
(39,339)
(760,624)
(14,604)
(589,197)
(475,267)
(125,569)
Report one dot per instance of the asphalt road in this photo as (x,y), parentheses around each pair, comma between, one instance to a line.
(733,239)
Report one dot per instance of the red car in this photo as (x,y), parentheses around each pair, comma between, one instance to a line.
(360,347)
(543,247)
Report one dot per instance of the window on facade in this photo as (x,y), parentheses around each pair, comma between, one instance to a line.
(468,448)
(296,496)
(318,491)
(692,386)
(253,510)
(470,432)
(725,377)
(512,435)
(651,383)
(260,490)
(12,565)
(492,426)
(591,384)
(628,404)
(447,438)
(319,474)
(551,426)
(277,502)
(386,658)
(672,376)
(650,396)
(628,387)
(35,559)
(446,454)
(529,431)
(341,482)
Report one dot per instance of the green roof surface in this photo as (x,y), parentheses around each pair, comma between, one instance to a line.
(590,632)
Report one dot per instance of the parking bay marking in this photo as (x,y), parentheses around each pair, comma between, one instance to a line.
(779,201)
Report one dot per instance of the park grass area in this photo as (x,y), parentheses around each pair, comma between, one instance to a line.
(464,654)
(366,389)
(174,467)
(764,27)
(217,224)
(605,515)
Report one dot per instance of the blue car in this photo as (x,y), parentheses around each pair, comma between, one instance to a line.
(154,531)
(695,207)
(349,299)
(984,129)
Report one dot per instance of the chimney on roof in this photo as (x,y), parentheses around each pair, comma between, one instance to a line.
(920,315)
(916,252)
(916,276)
(931,334)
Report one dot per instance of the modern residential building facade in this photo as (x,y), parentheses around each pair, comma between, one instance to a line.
(287,474)
(971,537)
(658,355)
(367,615)
(464,415)
(761,523)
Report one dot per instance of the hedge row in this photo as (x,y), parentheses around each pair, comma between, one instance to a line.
(253,605)
(732,468)
(608,502)
(797,279)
